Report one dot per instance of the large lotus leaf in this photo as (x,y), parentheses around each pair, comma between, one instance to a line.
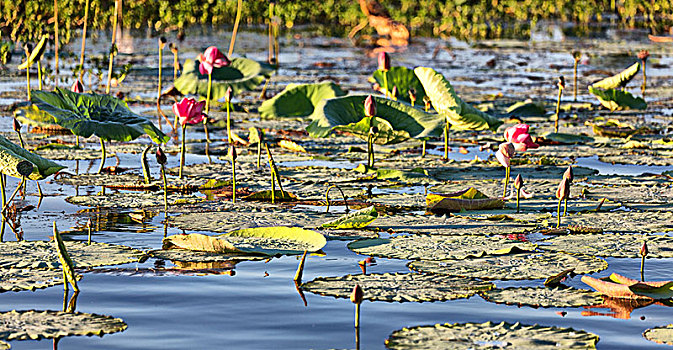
(404,79)
(36,54)
(35,325)
(42,255)
(298,100)
(521,266)
(661,335)
(241,75)
(398,287)
(133,200)
(397,121)
(618,80)
(451,225)
(611,245)
(624,221)
(13,156)
(489,335)
(468,199)
(461,115)
(258,240)
(614,99)
(618,286)
(438,247)
(91,114)
(31,115)
(543,297)
(356,219)
(28,279)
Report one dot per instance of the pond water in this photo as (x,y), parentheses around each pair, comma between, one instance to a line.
(257,306)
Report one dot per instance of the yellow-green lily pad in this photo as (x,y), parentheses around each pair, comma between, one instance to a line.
(35,325)
(15,280)
(543,297)
(42,255)
(611,245)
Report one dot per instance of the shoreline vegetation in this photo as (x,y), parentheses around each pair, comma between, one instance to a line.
(27,21)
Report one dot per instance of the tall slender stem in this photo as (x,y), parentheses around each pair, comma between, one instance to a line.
(447,128)
(558,110)
(575,81)
(56,42)
(357,315)
(182,152)
(81,54)
(236,22)
(642,88)
(21,139)
(205,119)
(28,77)
(112,46)
(504,190)
(161,56)
(163,177)
(228,125)
(385,82)
(233,181)
(39,75)
(518,195)
(2,189)
(558,214)
(642,268)
(425,143)
(102,159)
(259,153)
(273,187)
(565,207)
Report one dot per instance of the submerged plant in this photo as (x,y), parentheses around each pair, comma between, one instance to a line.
(210,59)
(642,56)
(227,99)
(561,85)
(577,56)
(232,158)
(504,155)
(384,66)
(188,111)
(562,193)
(162,159)
(568,174)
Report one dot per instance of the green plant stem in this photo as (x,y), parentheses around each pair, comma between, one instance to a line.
(205,119)
(357,315)
(385,82)
(642,88)
(425,144)
(575,81)
(81,54)
(88,242)
(77,141)
(447,129)
(28,80)
(21,139)
(21,184)
(2,189)
(259,153)
(233,181)
(518,195)
(558,214)
(112,46)
(102,159)
(558,110)
(56,43)
(228,125)
(236,22)
(565,207)
(163,177)
(263,93)
(273,187)
(39,189)
(504,190)
(182,152)
(161,57)
(176,64)
(642,268)
(146,167)
(39,75)
(300,269)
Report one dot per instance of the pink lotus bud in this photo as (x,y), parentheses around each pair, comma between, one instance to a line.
(507,149)
(77,87)
(384,61)
(563,191)
(212,58)
(393,93)
(357,295)
(17,125)
(561,82)
(232,153)
(228,94)
(568,174)
(643,250)
(518,182)
(161,156)
(412,95)
(370,106)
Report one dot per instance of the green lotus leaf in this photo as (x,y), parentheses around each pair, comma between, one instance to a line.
(567,139)
(521,266)
(15,280)
(241,75)
(526,109)
(397,121)
(611,245)
(13,156)
(35,325)
(259,240)
(404,79)
(409,176)
(543,297)
(618,80)
(33,116)
(42,255)
(660,335)
(356,219)
(461,115)
(398,287)
(298,100)
(438,247)
(36,54)
(464,336)
(91,114)
(614,99)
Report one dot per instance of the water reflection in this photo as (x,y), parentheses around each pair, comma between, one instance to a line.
(622,308)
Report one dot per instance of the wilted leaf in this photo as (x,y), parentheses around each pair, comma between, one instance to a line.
(468,199)
(292,146)
(618,286)
(356,219)
(617,99)
(618,80)
(42,255)
(281,196)
(660,335)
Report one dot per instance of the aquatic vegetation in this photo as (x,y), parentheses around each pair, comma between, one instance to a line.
(409,88)
(227,98)
(504,155)
(14,157)
(660,335)
(210,59)
(618,286)
(642,56)
(563,192)
(357,295)
(643,253)
(543,297)
(298,100)
(355,220)
(67,265)
(467,199)
(613,245)
(162,159)
(113,45)
(232,158)
(577,56)
(33,55)
(608,95)
(36,325)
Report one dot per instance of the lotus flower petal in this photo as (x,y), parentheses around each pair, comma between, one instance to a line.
(513,131)
(189,111)
(503,159)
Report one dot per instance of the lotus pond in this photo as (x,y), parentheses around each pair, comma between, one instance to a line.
(423,247)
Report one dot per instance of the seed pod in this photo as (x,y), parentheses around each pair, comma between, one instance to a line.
(357,294)
(643,55)
(384,61)
(518,182)
(161,156)
(373,130)
(577,55)
(370,106)
(24,168)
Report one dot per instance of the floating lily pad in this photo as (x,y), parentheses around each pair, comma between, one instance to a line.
(543,297)
(184,255)
(526,109)
(259,240)
(661,335)
(398,287)
(624,221)
(242,217)
(513,266)
(71,153)
(467,199)
(567,139)
(438,247)
(241,75)
(35,325)
(4,346)
(298,100)
(28,279)
(133,200)
(611,245)
(42,255)
(356,219)
(504,335)
(647,157)
(452,225)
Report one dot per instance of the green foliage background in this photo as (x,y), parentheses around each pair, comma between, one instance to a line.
(25,20)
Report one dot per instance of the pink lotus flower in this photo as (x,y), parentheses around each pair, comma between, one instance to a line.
(384,61)
(519,136)
(212,58)
(505,153)
(189,111)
